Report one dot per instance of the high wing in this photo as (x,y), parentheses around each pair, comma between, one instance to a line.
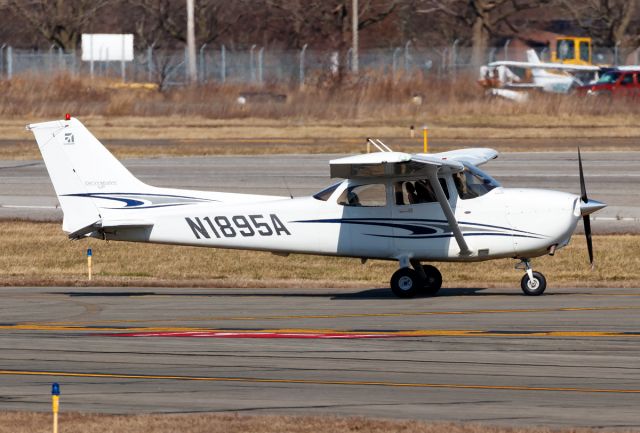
(545,65)
(400,164)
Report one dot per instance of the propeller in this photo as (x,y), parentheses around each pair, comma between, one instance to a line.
(587,207)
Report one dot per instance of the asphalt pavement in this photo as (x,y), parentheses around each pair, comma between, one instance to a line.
(568,358)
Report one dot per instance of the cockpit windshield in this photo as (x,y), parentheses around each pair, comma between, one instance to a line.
(473,182)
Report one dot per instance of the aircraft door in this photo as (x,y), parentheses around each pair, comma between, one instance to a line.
(366,229)
(420,224)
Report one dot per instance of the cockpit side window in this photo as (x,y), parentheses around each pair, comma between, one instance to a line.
(417,191)
(327,192)
(369,195)
(472,183)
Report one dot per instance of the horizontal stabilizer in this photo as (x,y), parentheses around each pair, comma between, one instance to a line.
(108,225)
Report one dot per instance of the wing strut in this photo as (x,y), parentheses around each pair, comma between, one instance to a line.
(446,208)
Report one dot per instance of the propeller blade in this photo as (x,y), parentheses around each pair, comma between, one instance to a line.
(587,232)
(583,188)
(585,212)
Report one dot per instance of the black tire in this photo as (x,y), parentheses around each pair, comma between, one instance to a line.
(405,283)
(534,287)
(433,281)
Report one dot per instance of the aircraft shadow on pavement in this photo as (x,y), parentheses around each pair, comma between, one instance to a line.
(385,293)
(373,293)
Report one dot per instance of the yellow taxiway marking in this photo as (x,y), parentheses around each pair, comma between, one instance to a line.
(318,382)
(360,315)
(397,333)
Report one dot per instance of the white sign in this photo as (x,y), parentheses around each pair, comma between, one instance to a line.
(105,48)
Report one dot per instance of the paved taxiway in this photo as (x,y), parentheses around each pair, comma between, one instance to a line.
(26,192)
(491,355)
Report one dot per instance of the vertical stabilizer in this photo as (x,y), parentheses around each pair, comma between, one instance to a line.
(80,167)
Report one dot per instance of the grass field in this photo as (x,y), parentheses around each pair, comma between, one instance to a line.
(175,136)
(40,254)
(319,118)
(23,422)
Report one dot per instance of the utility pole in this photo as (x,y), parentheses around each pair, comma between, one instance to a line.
(354,36)
(191,44)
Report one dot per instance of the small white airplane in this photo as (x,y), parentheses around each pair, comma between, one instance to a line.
(545,76)
(411,208)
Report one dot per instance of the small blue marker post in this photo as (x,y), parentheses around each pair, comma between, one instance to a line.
(55,403)
(89,264)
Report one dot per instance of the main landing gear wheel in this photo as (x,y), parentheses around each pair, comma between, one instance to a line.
(406,283)
(533,286)
(433,281)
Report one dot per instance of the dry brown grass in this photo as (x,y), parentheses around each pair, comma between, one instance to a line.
(23,422)
(325,116)
(372,97)
(40,254)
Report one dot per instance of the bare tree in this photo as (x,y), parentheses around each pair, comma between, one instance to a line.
(485,18)
(167,19)
(608,22)
(61,22)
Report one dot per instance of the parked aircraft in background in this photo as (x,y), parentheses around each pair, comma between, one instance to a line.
(410,208)
(500,80)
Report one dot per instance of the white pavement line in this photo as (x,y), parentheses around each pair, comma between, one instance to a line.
(15,206)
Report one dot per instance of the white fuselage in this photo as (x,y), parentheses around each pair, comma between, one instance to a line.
(501,223)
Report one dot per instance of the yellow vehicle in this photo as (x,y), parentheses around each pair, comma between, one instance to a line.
(572,51)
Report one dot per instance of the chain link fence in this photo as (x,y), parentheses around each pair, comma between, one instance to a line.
(259,65)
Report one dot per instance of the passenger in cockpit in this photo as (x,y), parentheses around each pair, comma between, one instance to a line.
(425,192)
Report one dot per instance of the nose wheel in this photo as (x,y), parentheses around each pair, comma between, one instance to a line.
(532,283)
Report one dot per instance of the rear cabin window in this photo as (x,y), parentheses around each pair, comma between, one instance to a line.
(369,195)
(627,80)
(417,191)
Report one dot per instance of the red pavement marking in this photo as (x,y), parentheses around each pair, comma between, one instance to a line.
(219,334)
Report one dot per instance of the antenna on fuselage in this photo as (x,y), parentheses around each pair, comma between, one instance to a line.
(284,179)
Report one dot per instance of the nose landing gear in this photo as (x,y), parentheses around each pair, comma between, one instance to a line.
(532,283)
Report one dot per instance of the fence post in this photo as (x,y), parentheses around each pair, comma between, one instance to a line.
(123,66)
(506,49)
(61,63)
(252,72)
(2,59)
(186,64)
(223,65)
(9,62)
(394,63)
(149,63)
(406,55)
(50,58)
(203,70)
(260,61)
(301,71)
(492,54)
(615,53)
(74,62)
(454,56)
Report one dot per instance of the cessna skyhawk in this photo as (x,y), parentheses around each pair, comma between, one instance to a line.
(410,208)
